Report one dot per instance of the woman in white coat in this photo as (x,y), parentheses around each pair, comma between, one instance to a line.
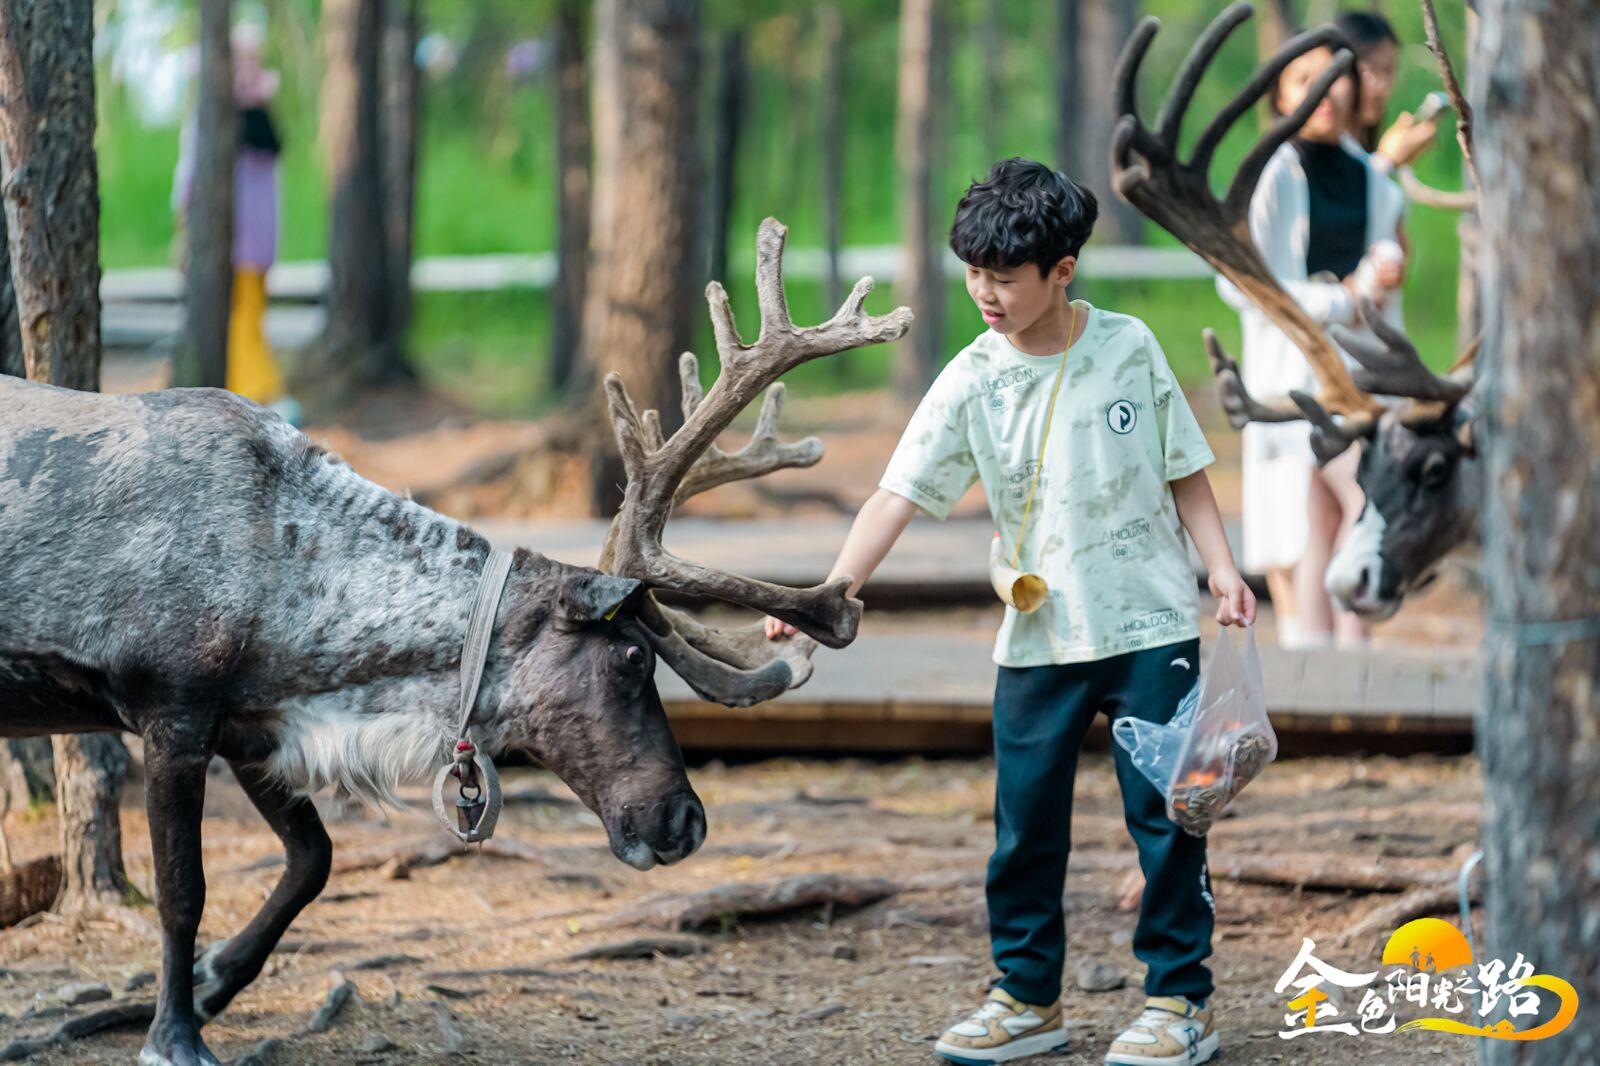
(1321,212)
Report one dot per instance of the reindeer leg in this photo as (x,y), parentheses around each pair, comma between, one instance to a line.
(228,966)
(175,766)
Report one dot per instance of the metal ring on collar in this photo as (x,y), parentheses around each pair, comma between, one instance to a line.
(488,782)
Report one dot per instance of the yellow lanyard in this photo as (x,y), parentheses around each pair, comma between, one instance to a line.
(1049,416)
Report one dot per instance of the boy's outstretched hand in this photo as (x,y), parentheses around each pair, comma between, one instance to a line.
(777,629)
(1236,604)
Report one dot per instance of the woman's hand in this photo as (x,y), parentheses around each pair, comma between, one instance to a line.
(1407,139)
(1236,604)
(778,629)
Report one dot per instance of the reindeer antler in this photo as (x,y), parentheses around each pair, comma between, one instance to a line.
(1178,195)
(733,666)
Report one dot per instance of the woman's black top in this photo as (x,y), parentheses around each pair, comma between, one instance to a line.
(1337,183)
(257,131)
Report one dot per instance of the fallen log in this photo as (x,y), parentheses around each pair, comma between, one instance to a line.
(122,1015)
(644,947)
(753,899)
(433,851)
(1326,873)
(1417,903)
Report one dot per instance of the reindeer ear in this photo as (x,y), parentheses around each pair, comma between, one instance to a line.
(1467,432)
(595,597)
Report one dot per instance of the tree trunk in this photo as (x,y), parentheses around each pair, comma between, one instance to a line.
(731,94)
(572,196)
(47,120)
(922,282)
(52,196)
(992,39)
(402,111)
(1538,152)
(361,344)
(1103,27)
(27,774)
(90,769)
(1469,232)
(1069,85)
(641,306)
(202,355)
(11,360)
(835,70)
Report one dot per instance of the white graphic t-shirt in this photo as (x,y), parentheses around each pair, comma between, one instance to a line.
(1104,531)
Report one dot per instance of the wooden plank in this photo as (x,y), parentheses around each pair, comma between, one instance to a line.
(1334,682)
(1456,691)
(1281,672)
(1400,684)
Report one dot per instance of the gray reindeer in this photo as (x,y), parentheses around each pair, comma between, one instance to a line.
(1418,463)
(185,566)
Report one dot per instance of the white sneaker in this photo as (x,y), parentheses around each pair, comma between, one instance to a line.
(1003,1029)
(1170,1032)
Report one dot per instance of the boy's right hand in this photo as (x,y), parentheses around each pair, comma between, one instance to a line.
(778,629)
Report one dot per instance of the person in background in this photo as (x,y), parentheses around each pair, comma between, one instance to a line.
(252,371)
(1328,223)
(1377,52)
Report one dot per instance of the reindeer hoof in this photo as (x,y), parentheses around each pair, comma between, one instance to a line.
(209,986)
(175,1050)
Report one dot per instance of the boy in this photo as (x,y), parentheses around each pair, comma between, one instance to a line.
(1107,497)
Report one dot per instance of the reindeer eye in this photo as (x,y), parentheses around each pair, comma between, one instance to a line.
(1435,470)
(634,655)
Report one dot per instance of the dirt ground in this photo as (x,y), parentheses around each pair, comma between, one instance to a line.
(767,991)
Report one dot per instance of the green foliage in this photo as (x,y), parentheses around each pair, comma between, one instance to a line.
(486,183)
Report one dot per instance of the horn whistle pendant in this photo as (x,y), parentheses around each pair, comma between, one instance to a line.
(1023,591)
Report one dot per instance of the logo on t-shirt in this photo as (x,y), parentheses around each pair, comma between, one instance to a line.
(1121,416)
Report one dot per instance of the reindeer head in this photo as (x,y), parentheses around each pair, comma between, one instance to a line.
(600,724)
(1411,468)
(581,700)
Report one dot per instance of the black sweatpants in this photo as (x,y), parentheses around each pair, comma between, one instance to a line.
(1041,714)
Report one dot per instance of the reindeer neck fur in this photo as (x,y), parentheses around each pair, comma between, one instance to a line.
(378,608)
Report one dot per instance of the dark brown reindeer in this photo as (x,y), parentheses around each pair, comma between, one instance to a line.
(1417,467)
(185,566)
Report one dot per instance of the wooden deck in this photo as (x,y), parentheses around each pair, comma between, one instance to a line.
(924,693)
(900,689)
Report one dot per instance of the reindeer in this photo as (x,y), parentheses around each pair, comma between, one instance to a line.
(185,566)
(1418,463)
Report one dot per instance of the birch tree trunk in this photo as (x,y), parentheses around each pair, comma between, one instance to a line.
(1538,155)
(52,205)
(202,355)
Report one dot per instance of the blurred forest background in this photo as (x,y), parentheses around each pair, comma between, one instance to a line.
(1008,77)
